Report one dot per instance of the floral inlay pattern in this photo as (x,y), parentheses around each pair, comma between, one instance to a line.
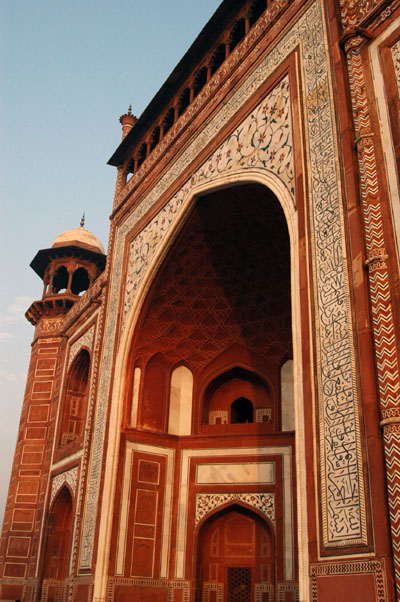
(205,502)
(70,477)
(264,139)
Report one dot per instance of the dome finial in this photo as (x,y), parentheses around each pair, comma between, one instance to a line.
(127,121)
(82,220)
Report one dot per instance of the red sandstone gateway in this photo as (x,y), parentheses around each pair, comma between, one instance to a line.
(212,415)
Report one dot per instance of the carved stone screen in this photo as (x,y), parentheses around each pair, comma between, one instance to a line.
(239,584)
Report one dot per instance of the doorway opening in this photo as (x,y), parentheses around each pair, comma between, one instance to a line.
(237,556)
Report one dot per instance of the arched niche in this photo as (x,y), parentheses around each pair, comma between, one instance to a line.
(238,396)
(60,280)
(242,411)
(224,284)
(73,409)
(146,281)
(137,374)
(153,411)
(236,555)
(180,401)
(59,535)
(80,281)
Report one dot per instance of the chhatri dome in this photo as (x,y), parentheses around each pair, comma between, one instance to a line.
(68,268)
(79,237)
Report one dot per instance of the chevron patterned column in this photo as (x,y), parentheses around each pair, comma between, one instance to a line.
(380,299)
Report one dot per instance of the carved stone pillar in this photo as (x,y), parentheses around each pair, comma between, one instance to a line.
(379,287)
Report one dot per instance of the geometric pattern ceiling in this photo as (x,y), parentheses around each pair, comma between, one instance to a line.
(225,280)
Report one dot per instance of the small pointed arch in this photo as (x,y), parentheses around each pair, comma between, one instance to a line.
(184,101)
(60,280)
(233,396)
(243,506)
(59,536)
(154,396)
(242,411)
(155,137)
(237,34)
(169,120)
(80,281)
(141,154)
(200,80)
(74,408)
(130,166)
(230,531)
(256,10)
(217,58)
(180,401)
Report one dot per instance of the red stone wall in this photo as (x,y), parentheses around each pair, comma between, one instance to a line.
(29,478)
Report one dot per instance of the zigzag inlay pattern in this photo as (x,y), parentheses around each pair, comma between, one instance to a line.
(382,315)
(392,454)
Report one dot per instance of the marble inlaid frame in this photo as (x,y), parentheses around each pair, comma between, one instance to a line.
(286,67)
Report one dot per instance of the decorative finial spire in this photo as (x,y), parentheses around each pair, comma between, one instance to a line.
(82,220)
(127,121)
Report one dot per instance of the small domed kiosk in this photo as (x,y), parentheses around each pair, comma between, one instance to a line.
(71,265)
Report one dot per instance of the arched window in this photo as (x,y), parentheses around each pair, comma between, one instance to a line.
(155,137)
(60,280)
(256,10)
(141,154)
(238,397)
(80,281)
(241,411)
(58,544)
(238,33)
(217,58)
(130,166)
(153,410)
(169,120)
(200,80)
(183,101)
(74,409)
(180,401)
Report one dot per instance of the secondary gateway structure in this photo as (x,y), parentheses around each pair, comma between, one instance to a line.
(212,410)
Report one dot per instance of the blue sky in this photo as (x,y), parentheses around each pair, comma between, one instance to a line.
(69,69)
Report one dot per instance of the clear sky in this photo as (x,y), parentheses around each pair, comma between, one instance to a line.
(69,69)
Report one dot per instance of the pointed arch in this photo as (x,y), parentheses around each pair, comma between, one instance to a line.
(227,180)
(59,536)
(235,550)
(180,401)
(74,405)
